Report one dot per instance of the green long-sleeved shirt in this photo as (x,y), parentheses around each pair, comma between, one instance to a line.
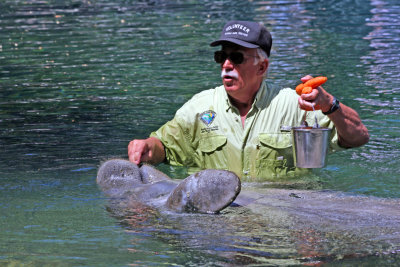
(207,133)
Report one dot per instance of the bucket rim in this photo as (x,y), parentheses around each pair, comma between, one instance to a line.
(310,129)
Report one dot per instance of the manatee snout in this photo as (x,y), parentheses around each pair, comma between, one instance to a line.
(117,176)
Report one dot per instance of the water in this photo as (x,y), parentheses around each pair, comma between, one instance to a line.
(80,79)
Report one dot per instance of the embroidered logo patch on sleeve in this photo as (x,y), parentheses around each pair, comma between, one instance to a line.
(207,117)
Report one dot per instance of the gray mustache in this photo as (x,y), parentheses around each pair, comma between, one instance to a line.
(232,74)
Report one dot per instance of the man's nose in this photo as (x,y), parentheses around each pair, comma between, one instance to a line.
(227,64)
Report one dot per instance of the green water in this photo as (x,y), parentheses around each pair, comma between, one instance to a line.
(80,79)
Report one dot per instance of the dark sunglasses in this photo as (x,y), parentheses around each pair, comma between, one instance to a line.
(235,57)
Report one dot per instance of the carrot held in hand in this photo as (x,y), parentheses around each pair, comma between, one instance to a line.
(306,88)
(315,82)
(299,88)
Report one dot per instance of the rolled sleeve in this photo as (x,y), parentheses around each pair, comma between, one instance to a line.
(176,140)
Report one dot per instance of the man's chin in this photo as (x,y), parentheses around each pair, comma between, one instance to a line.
(230,89)
(230,86)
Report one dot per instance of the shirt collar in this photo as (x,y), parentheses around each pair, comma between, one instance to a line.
(263,96)
(260,96)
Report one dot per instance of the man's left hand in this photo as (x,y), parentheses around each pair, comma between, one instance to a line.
(319,98)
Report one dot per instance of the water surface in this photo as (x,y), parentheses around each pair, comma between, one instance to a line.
(80,79)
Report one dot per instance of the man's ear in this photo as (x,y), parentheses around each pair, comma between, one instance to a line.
(263,67)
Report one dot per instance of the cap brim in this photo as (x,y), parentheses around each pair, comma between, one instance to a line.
(235,41)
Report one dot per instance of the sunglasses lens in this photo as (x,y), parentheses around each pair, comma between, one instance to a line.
(235,57)
(220,56)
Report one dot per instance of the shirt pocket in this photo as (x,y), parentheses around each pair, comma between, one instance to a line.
(211,152)
(275,154)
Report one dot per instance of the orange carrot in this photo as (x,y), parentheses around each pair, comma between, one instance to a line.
(306,90)
(299,88)
(315,82)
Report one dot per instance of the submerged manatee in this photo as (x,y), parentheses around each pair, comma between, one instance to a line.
(207,191)
(305,226)
(329,225)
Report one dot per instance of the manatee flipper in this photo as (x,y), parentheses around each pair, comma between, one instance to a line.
(117,176)
(207,191)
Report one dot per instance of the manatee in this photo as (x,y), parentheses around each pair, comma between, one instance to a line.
(208,191)
(271,226)
(328,225)
(151,175)
(117,176)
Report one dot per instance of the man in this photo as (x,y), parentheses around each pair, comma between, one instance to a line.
(240,126)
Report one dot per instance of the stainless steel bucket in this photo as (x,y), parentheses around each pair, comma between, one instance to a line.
(310,146)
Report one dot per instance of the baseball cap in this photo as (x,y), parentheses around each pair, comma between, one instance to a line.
(247,34)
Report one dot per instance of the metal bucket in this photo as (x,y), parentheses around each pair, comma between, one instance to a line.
(310,146)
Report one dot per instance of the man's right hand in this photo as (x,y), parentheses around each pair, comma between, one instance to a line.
(149,150)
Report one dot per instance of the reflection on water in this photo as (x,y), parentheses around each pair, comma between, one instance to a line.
(79,79)
(379,101)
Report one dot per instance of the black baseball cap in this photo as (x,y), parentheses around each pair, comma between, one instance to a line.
(247,34)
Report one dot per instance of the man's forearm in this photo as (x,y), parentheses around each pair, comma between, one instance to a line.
(351,131)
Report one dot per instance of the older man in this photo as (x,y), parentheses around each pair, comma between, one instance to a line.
(238,126)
